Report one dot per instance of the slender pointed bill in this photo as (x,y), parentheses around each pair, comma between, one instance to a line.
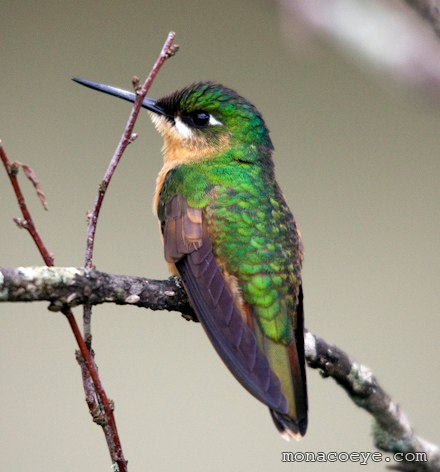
(148,103)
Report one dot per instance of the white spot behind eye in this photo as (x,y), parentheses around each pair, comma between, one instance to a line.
(213,121)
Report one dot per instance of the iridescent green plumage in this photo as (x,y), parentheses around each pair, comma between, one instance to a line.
(231,237)
(252,231)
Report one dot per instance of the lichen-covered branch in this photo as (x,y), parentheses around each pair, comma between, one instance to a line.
(69,286)
(392,431)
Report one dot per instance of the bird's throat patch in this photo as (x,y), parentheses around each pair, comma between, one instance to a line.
(182,145)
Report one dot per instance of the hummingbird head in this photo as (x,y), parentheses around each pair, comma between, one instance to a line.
(203,120)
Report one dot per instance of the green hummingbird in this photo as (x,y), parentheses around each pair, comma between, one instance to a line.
(229,234)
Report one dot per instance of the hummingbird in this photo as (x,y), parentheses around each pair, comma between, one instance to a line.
(230,236)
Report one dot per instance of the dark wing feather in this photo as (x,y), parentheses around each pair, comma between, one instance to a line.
(187,245)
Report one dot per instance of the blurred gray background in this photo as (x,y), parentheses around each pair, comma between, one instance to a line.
(358,162)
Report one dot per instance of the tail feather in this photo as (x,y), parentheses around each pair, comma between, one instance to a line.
(288,427)
(294,424)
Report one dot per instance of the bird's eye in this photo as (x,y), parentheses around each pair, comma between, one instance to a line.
(199,119)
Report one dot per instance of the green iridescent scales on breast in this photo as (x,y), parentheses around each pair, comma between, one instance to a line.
(253,235)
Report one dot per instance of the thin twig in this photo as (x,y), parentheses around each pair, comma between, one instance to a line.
(27,222)
(32,177)
(107,422)
(168,50)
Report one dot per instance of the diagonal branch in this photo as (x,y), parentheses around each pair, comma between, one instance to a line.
(392,431)
(429,10)
(69,286)
(386,37)
(168,50)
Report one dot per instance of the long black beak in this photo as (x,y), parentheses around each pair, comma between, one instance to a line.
(148,103)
